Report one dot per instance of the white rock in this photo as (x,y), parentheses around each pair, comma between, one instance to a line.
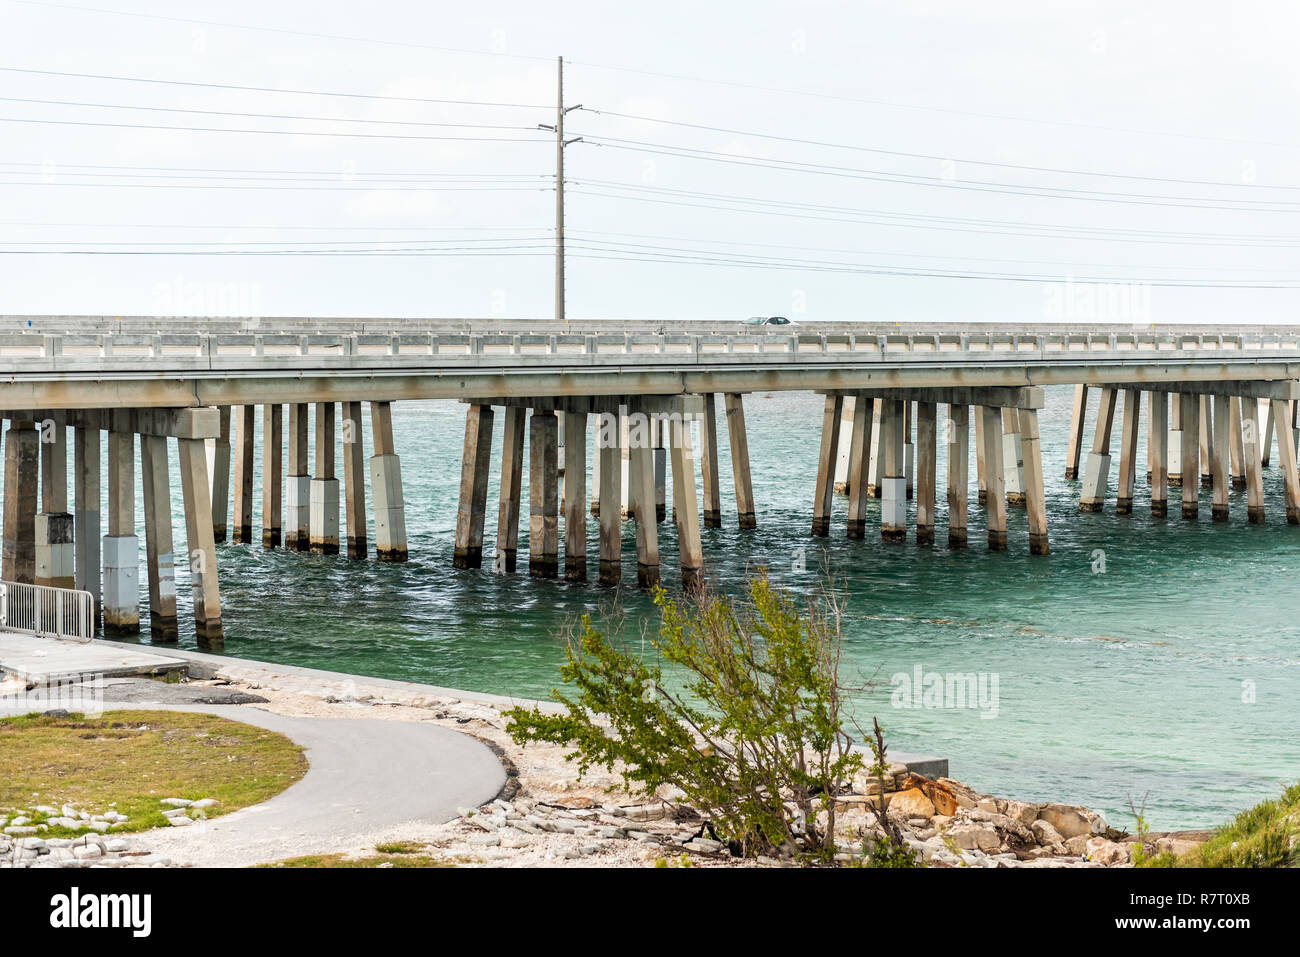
(176,802)
(87,852)
(179,821)
(204,802)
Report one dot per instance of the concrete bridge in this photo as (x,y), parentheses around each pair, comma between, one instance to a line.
(200,383)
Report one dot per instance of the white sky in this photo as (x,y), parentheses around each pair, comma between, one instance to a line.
(1222,77)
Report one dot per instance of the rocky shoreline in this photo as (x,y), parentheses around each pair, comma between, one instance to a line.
(546,817)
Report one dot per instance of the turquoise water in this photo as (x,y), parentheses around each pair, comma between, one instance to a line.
(1176,671)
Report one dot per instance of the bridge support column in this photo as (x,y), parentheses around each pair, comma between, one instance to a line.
(1190,460)
(22,486)
(833,409)
(543,495)
(1128,451)
(160,556)
(55,558)
(1286,454)
(323,518)
(512,470)
(1219,458)
(219,475)
(995,501)
(909,451)
(1035,496)
(1096,475)
(844,451)
(354,479)
(958,473)
(981,459)
(272,474)
(297,488)
(1236,449)
(685,505)
(475,465)
(1266,446)
(893,483)
(1078,421)
(1174,467)
(202,550)
(243,423)
(609,450)
(640,494)
(1206,446)
(386,481)
(859,459)
(86,511)
(876,458)
(740,460)
(926,455)
(1251,460)
(709,463)
(121,547)
(1158,441)
(1013,458)
(575,496)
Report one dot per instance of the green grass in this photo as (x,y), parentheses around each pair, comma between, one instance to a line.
(402,859)
(400,847)
(1267,835)
(129,760)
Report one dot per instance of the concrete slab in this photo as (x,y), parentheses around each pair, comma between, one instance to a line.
(43,659)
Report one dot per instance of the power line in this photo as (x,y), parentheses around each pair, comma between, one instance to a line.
(416,174)
(271,89)
(981,186)
(206,129)
(934,157)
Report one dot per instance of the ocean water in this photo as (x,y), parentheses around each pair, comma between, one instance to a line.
(1165,669)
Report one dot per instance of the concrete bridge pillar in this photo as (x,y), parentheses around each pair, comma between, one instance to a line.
(1236,450)
(1251,460)
(740,460)
(512,470)
(1206,447)
(995,500)
(1190,460)
(272,475)
(1035,495)
(543,495)
(1078,417)
(657,430)
(709,463)
(640,497)
(243,423)
(297,486)
(909,451)
(1286,454)
(981,459)
(86,512)
(926,455)
(833,409)
(610,455)
(219,475)
(121,547)
(22,485)
(354,479)
(1266,446)
(323,520)
(877,456)
(845,450)
(1158,442)
(386,481)
(575,496)
(685,507)
(1096,475)
(475,468)
(1174,467)
(958,473)
(893,483)
(55,559)
(860,436)
(202,549)
(1128,452)
(160,558)
(1219,457)
(1013,458)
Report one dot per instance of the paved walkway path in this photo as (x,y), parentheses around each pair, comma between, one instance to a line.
(366,776)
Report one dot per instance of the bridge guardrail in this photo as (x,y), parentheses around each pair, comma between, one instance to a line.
(47,612)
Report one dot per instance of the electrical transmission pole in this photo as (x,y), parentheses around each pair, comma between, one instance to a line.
(560,144)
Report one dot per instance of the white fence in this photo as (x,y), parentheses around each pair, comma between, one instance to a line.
(48,612)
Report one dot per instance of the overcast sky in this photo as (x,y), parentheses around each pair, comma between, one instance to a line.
(1184,105)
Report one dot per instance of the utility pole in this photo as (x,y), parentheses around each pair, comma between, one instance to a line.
(560,144)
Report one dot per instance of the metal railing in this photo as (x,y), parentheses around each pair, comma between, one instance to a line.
(47,612)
